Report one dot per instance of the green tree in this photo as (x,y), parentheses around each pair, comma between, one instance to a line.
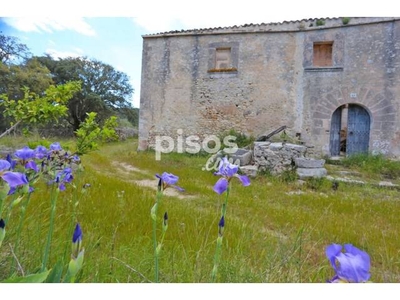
(131,114)
(90,133)
(31,74)
(36,109)
(11,49)
(104,89)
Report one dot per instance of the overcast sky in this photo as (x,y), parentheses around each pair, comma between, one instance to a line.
(111,31)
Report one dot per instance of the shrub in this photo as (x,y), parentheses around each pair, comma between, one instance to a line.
(345,20)
(242,140)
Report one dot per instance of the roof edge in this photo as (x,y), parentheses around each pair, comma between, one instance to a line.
(285,26)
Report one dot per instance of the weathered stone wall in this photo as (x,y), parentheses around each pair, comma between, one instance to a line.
(275,83)
(178,92)
(367,74)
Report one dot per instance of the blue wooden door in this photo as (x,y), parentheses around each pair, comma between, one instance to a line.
(336,121)
(358,126)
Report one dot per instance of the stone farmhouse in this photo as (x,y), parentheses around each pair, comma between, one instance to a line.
(335,83)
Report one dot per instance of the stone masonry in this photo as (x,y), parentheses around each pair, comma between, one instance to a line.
(277,157)
(272,81)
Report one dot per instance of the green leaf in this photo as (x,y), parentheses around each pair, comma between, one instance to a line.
(33,278)
(56,273)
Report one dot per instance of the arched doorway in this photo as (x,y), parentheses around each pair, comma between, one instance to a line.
(350,127)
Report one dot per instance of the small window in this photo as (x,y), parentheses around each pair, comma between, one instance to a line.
(322,54)
(223,58)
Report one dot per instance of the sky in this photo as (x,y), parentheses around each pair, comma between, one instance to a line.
(112,31)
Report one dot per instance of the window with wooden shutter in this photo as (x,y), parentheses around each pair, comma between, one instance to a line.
(322,54)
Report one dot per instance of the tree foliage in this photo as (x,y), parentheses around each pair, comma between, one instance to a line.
(31,74)
(26,87)
(90,133)
(36,109)
(104,89)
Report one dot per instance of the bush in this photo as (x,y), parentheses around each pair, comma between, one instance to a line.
(90,133)
(345,20)
(242,140)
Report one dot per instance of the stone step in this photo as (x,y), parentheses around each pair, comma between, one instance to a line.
(309,163)
(249,170)
(304,173)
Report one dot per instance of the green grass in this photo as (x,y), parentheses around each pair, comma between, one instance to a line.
(276,230)
(373,165)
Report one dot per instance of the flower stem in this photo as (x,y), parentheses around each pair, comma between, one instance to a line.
(21,222)
(217,257)
(154,219)
(218,249)
(54,196)
(225,204)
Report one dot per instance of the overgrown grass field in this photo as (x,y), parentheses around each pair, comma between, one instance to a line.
(276,230)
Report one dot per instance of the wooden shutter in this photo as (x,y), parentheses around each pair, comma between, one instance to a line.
(322,55)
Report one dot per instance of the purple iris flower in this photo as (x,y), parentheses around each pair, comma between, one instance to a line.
(26,156)
(350,266)
(62,177)
(32,165)
(77,236)
(13,179)
(55,147)
(221,226)
(168,179)
(76,241)
(12,162)
(25,153)
(228,171)
(40,152)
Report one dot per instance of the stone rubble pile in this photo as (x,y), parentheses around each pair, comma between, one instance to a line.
(276,157)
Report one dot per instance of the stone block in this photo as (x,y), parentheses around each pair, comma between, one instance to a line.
(250,171)
(276,146)
(299,148)
(243,155)
(302,162)
(308,173)
(261,144)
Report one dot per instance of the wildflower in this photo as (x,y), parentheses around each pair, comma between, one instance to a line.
(55,147)
(76,159)
(167,180)
(351,266)
(165,224)
(2,231)
(228,171)
(26,156)
(41,152)
(221,226)
(12,162)
(76,241)
(62,177)
(13,179)
(77,255)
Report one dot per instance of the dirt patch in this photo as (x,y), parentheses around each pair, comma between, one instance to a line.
(127,168)
(151,183)
(170,191)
